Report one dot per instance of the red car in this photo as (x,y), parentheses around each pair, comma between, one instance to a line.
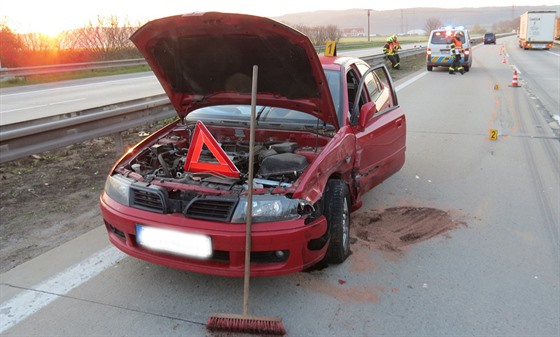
(328,129)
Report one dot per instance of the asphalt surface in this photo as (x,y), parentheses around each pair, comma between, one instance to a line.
(497,274)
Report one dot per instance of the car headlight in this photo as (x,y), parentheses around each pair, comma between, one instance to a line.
(117,188)
(271,208)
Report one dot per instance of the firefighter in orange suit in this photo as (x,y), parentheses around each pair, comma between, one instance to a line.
(396,47)
(389,51)
(456,48)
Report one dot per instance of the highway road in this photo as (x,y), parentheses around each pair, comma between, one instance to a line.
(19,104)
(496,273)
(25,103)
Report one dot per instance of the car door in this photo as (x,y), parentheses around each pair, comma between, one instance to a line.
(381,133)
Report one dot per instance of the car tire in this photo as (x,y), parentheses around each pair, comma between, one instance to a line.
(429,68)
(467,68)
(337,212)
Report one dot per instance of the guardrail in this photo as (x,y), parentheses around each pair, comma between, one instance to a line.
(27,138)
(381,58)
(23,139)
(7,73)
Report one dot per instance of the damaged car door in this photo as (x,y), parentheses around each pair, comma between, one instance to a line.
(380,128)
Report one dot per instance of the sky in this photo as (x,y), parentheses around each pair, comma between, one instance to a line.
(54,16)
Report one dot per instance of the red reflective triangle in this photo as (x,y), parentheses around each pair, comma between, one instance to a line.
(193,164)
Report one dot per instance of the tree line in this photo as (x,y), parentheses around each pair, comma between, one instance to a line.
(108,39)
(104,40)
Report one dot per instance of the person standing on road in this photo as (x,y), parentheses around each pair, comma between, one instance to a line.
(456,48)
(389,52)
(396,47)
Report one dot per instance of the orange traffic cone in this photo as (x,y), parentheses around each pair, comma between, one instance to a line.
(514,82)
(504,59)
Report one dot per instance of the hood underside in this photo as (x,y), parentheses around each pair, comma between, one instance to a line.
(204,59)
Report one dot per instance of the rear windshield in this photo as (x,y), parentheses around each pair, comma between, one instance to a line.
(444,37)
(489,35)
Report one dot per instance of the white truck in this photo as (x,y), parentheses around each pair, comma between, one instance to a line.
(536,29)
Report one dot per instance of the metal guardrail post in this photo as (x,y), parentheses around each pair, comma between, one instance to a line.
(119,143)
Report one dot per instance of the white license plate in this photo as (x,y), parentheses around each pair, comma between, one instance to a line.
(175,242)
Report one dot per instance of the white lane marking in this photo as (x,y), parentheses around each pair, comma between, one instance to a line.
(44,105)
(548,51)
(78,86)
(412,80)
(32,300)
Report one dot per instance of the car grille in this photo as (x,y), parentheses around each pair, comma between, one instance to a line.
(209,208)
(206,208)
(148,199)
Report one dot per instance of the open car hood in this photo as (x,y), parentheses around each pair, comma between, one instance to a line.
(204,59)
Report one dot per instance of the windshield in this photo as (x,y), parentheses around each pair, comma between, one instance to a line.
(335,84)
(444,37)
(266,116)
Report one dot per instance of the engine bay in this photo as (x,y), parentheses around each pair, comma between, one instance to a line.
(280,157)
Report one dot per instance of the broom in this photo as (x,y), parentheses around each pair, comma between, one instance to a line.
(246,323)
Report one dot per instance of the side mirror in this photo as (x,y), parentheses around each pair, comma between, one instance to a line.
(366,112)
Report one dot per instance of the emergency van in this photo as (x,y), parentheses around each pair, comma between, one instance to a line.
(438,53)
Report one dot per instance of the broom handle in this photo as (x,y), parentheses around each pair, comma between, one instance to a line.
(249,213)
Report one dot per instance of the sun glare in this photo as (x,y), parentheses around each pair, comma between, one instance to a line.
(49,28)
(52,30)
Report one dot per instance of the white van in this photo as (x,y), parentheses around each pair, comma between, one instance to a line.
(438,53)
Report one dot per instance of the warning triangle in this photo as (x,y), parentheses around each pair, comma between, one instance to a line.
(201,137)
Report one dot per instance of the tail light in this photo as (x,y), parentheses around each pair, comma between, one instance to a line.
(467,52)
(428,52)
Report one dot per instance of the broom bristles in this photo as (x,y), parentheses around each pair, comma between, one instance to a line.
(246,324)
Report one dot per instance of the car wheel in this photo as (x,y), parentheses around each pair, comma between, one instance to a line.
(467,68)
(337,212)
(429,68)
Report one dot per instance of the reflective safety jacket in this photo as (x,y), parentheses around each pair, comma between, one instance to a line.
(391,48)
(456,46)
(395,46)
(388,48)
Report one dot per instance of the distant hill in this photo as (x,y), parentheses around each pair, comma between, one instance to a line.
(404,20)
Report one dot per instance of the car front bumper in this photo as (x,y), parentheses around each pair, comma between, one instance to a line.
(445,61)
(276,247)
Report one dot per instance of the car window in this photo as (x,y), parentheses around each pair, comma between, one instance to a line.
(353,77)
(439,38)
(444,37)
(266,116)
(372,83)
